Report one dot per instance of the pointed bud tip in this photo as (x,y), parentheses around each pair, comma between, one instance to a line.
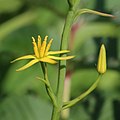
(101,67)
(102,47)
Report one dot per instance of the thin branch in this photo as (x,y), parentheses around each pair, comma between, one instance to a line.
(83,95)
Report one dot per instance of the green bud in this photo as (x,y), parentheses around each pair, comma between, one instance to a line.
(101,66)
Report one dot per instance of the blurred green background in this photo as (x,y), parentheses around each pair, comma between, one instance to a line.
(22,96)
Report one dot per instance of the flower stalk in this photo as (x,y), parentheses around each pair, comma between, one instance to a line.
(47,85)
(62,65)
(83,95)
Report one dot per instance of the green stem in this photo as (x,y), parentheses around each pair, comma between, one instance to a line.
(62,64)
(44,81)
(55,113)
(62,67)
(48,86)
(83,95)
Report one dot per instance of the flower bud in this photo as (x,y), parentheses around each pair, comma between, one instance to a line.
(101,66)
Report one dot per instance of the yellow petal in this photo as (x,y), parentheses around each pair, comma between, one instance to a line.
(61,58)
(32,62)
(24,57)
(101,66)
(35,48)
(48,47)
(57,52)
(42,49)
(39,42)
(48,60)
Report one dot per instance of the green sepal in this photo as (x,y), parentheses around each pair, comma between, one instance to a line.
(82,11)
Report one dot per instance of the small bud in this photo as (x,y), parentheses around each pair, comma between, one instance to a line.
(101,66)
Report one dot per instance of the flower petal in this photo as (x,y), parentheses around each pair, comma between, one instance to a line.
(39,42)
(24,57)
(32,62)
(48,60)
(57,52)
(43,46)
(48,47)
(61,58)
(35,48)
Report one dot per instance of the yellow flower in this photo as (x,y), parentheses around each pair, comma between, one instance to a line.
(101,67)
(42,54)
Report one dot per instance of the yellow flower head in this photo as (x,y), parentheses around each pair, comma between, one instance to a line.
(101,66)
(42,54)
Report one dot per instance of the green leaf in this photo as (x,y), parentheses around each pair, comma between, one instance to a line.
(21,82)
(10,6)
(107,111)
(118,48)
(110,81)
(24,81)
(17,22)
(78,112)
(110,4)
(24,108)
(96,29)
(85,52)
(82,80)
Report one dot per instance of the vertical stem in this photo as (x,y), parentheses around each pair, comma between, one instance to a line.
(62,67)
(64,46)
(48,89)
(55,113)
(62,64)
